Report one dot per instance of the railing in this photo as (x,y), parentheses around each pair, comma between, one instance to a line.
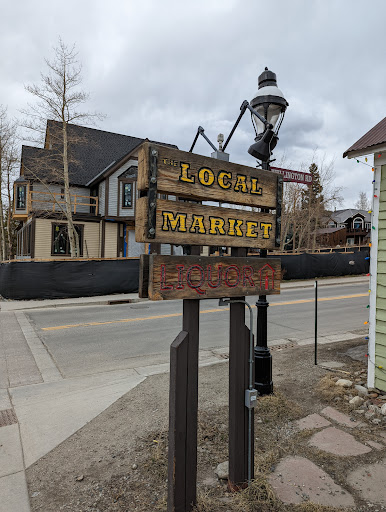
(358,231)
(54,201)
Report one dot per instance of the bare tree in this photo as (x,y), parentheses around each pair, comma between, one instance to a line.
(8,160)
(59,98)
(363,202)
(304,207)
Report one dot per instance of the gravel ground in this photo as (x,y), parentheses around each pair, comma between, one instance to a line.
(118,461)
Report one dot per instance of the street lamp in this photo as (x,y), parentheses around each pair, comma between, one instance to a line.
(270,104)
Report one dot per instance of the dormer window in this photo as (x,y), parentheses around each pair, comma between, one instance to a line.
(21,197)
(358,223)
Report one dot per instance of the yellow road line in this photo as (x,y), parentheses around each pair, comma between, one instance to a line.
(205,311)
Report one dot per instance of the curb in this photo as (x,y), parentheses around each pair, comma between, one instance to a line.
(111,302)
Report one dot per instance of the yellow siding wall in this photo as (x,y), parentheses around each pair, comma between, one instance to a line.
(111,239)
(380,329)
(43,239)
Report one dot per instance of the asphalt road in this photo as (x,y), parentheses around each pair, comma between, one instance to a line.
(91,339)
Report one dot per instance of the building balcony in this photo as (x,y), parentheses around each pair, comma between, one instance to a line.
(357,231)
(40,201)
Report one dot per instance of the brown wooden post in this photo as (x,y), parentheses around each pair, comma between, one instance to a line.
(190,324)
(238,383)
(177,423)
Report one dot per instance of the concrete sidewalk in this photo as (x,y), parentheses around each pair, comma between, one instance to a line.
(14,305)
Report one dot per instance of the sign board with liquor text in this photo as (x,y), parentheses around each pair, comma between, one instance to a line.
(205,277)
(189,177)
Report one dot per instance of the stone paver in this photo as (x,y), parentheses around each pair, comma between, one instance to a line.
(374,444)
(370,481)
(312,421)
(331,364)
(14,493)
(339,417)
(383,436)
(334,440)
(297,480)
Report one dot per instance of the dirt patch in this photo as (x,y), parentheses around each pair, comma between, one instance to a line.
(122,454)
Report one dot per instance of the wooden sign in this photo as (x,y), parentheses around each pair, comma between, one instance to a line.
(178,222)
(205,277)
(198,177)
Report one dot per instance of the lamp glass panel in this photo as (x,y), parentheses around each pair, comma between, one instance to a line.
(260,127)
(273,113)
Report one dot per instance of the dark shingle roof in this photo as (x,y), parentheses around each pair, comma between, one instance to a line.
(343,215)
(375,136)
(90,150)
(326,231)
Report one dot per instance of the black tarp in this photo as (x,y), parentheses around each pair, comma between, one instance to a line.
(60,279)
(308,266)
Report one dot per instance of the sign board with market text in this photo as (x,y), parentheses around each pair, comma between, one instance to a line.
(191,179)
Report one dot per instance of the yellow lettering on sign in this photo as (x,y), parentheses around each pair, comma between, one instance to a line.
(251,226)
(221,177)
(197,224)
(173,223)
(254,188)
(234,227)
(206,176)
(241,184)
(184,176)
(266,227)
(216,226)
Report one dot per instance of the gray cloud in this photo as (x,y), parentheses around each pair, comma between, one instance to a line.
(160,69)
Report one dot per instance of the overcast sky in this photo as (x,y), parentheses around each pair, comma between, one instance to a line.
(159,69)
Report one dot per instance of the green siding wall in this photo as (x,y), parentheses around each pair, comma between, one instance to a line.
(380,328)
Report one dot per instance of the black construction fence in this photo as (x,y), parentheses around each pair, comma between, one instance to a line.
(23,280)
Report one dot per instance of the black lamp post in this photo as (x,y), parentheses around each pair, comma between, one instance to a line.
(270,103)
(267,110)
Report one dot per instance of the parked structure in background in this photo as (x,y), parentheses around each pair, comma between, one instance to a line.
(103,175)
(374,143)
(345,227)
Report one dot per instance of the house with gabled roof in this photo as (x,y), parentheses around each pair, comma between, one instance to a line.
(374,142)
(103,173)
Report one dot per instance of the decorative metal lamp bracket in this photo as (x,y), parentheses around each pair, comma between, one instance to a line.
(279,200)
(152,194)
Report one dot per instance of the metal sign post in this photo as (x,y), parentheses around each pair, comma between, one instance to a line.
(316,322)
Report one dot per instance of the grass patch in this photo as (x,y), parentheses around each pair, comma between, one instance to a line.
(328,390)
(276,408)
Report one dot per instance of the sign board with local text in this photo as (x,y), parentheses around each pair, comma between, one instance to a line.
(190,177)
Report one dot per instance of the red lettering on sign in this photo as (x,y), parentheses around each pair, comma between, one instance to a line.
(232,267)
(180,269)
(219,276)
(247,276)
(192,285)
(163,285)
(267,273)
